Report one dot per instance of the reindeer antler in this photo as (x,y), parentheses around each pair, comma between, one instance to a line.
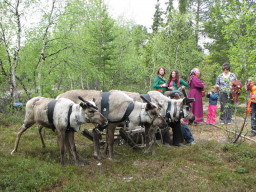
(147,101)
(87,103)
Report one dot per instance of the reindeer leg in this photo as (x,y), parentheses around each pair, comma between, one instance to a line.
(110,141)
(153,140)
(106,144)
(147,127)
(40,127)
(96,144)
(68,145)
(22,129)
(71,140)
(61,135)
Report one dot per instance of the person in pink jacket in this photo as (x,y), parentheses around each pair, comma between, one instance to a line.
(195,88)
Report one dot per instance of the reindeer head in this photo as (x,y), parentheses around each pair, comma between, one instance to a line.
(91,113)
(152,115)
(180,108)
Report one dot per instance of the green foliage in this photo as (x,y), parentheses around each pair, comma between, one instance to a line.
(240,33)
(175,47)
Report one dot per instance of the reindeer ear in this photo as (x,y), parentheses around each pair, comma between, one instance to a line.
(148,107)
(188,100)
(83,105)
(184,92)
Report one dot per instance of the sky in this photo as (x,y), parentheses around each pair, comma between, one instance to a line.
(140,11)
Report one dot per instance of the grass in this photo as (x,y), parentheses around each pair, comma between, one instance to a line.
(206,166)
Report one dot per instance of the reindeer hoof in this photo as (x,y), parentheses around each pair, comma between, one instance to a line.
(13,152)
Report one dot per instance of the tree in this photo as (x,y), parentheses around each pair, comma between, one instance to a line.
(157,20)
(11,35)
(240,33)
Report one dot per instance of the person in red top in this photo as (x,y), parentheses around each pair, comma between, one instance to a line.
(252,105)
(195,88)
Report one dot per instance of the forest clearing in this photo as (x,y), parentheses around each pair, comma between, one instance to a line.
(50,47)
(212,164)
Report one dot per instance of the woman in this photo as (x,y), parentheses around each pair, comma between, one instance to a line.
(175,82)
(160,83)
(195,88)
(224,81)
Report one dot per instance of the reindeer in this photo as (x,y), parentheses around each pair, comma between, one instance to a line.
(118,103)
(172,109)
(63,115)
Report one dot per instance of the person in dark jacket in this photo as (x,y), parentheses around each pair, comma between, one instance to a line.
(212,108)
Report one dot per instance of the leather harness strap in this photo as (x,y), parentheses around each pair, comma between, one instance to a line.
(50,111)
(105,104)
(146,96)
(69,128)
(105,108)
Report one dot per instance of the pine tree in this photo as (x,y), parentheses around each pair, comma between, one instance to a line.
(158,20)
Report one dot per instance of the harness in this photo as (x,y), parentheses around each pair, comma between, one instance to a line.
(69,128)
(105,109)
(168,115)
(50,111)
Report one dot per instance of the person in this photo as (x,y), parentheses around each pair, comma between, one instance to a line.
(180,130)
(251,107)
(188,137)
(175,82)
(212,107)
(195,88)
(224,80)
(160,83)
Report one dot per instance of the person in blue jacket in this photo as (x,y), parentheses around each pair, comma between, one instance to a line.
(212,108)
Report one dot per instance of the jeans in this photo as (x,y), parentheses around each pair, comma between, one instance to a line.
(253,118)
(226,107)
(187,133)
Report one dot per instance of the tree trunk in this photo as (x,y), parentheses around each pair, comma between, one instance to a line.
(14,88)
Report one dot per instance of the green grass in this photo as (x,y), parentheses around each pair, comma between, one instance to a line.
(206,166)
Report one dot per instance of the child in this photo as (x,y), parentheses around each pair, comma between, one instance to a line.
(252,106)
(213,98)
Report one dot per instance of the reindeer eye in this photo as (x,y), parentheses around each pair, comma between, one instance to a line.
(153,113)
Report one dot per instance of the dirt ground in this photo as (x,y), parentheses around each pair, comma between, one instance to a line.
(222,133)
